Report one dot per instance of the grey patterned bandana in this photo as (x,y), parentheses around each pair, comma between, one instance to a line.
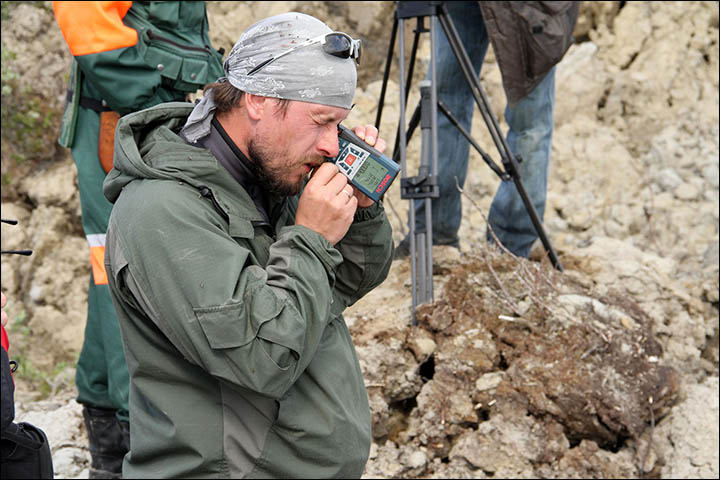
(307,74)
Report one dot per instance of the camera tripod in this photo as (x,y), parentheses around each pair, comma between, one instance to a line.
(424,186)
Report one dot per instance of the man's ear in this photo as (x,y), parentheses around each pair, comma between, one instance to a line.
(255,105)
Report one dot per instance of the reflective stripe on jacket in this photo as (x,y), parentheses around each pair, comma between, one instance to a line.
(94,27)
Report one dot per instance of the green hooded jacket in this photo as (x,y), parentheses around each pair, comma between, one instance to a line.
(240,361)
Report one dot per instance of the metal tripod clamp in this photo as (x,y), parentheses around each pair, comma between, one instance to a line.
(424,184)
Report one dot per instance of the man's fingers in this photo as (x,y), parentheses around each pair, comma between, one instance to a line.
(3,315)
(371,135)
(337,183)
(368,133)
(360,132)
(324,173)
(348,192)
(328,178)
(380,145)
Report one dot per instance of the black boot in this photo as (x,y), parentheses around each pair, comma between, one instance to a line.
(109,442)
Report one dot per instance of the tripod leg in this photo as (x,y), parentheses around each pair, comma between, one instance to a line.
(403,164)
(386,75)
(472,81)
(529,137)
(414,122)
(486,158)
(411,68)
(432,156)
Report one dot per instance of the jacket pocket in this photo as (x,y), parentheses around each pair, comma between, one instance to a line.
(236,324)
(182,67)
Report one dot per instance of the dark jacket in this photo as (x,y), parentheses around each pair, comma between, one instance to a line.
(240,361)
(528,39)
(25,450)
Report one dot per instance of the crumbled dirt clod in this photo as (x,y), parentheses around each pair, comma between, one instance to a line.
(575,368)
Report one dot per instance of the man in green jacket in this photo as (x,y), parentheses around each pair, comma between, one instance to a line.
(230,269)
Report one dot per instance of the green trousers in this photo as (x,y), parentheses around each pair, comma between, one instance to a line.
(102,376)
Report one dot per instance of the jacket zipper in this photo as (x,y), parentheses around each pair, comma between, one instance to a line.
(154,36)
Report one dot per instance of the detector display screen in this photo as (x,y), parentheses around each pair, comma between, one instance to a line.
(366,168)
(370,174)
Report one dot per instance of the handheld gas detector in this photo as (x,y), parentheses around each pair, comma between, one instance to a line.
(366,168)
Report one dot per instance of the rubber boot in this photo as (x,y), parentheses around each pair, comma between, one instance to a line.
(108,441)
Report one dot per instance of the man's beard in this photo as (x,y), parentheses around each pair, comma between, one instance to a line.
(269,177)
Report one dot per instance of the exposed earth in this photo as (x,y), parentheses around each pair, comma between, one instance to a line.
(606,370)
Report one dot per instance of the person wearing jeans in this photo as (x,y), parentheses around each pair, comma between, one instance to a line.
(530,139)
(530,91)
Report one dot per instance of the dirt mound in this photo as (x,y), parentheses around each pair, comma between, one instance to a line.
(516,356)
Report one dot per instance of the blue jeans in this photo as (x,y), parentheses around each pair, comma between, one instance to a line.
(529,136)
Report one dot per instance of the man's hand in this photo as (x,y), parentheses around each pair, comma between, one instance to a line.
(327,205)
(4,317)
(369,134)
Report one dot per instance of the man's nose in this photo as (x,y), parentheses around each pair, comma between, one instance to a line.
(328,143)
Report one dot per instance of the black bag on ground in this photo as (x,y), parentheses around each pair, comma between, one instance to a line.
(24,448)
(25,452)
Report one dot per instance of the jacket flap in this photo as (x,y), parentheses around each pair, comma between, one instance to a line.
(236,324)
(241,228)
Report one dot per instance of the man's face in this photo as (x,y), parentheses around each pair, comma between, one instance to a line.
(287,147)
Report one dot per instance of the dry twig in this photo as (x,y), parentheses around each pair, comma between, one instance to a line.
(652,428)
(506,296)
(521,264)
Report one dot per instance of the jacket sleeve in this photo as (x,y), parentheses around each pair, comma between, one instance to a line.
(251,326)
(108,55)
(367,250)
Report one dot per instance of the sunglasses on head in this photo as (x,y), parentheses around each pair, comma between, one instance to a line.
(338,44)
